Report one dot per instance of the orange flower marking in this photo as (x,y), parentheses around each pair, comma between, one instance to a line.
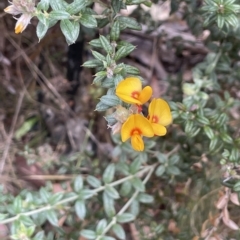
(19,28)
(154,119)
(135,95)
(136,131)
(159,116)
(130,91)
(135,127)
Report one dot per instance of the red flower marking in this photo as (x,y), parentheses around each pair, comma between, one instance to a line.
(135,94)
(155,119)
(136,131)
(139,108)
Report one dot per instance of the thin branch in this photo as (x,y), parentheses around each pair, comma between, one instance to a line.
(127,204)
(10,135)
(75,197)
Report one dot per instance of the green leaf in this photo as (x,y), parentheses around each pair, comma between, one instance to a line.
(162,158)
(111,192)
(203,120)
(108,204)
(102,22)
(52,22)
(101,226)
(173,170)
(39,236)
(232,20)
(98,79)
(17,205)
(160,170)
(129,23)
(213,144)
(138,184)
(236,187)
(125,217)
(78,184)
(125,188)
(52,217)
(123,52)
(116,5)
(43,5)
(209,132)
(119,231)
(226,138)
(101,107)
(25,128)
(86,193)
(93,181)
(134,207)
(88,234)
(149,4)
(56,198)
(30,230)
(134,2)
(41,30)
(26,221)
(220,21)
(42,18)
(88,20)
(70,30)
(135,166)
(145,198)
(188,127)
(77,6)
(108,238)
(131,70)
(44,195)
(234,156)
(96,43)
(57,4)
(110,100)
(59,14)
(3,216)
(105,44)
(92,63)
(80,209)
(99,56)
(174,160)
(108,174)
(115,31)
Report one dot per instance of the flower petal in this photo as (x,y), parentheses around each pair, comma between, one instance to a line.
(127,87)
(158,129)
(12,9)
(145,94)
(137,142)
(127,128)
(22,23)
(160,108)
(144,125)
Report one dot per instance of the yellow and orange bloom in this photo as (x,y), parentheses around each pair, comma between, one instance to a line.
(159,116)
(130,91)
(135,127)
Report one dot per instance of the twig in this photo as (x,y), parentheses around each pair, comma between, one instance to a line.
(73,198)
(10,135)
(49,177)
(34,68)
(127,204)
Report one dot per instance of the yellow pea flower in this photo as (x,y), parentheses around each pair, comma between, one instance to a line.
(135,127)
(159,116)
(130,91)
